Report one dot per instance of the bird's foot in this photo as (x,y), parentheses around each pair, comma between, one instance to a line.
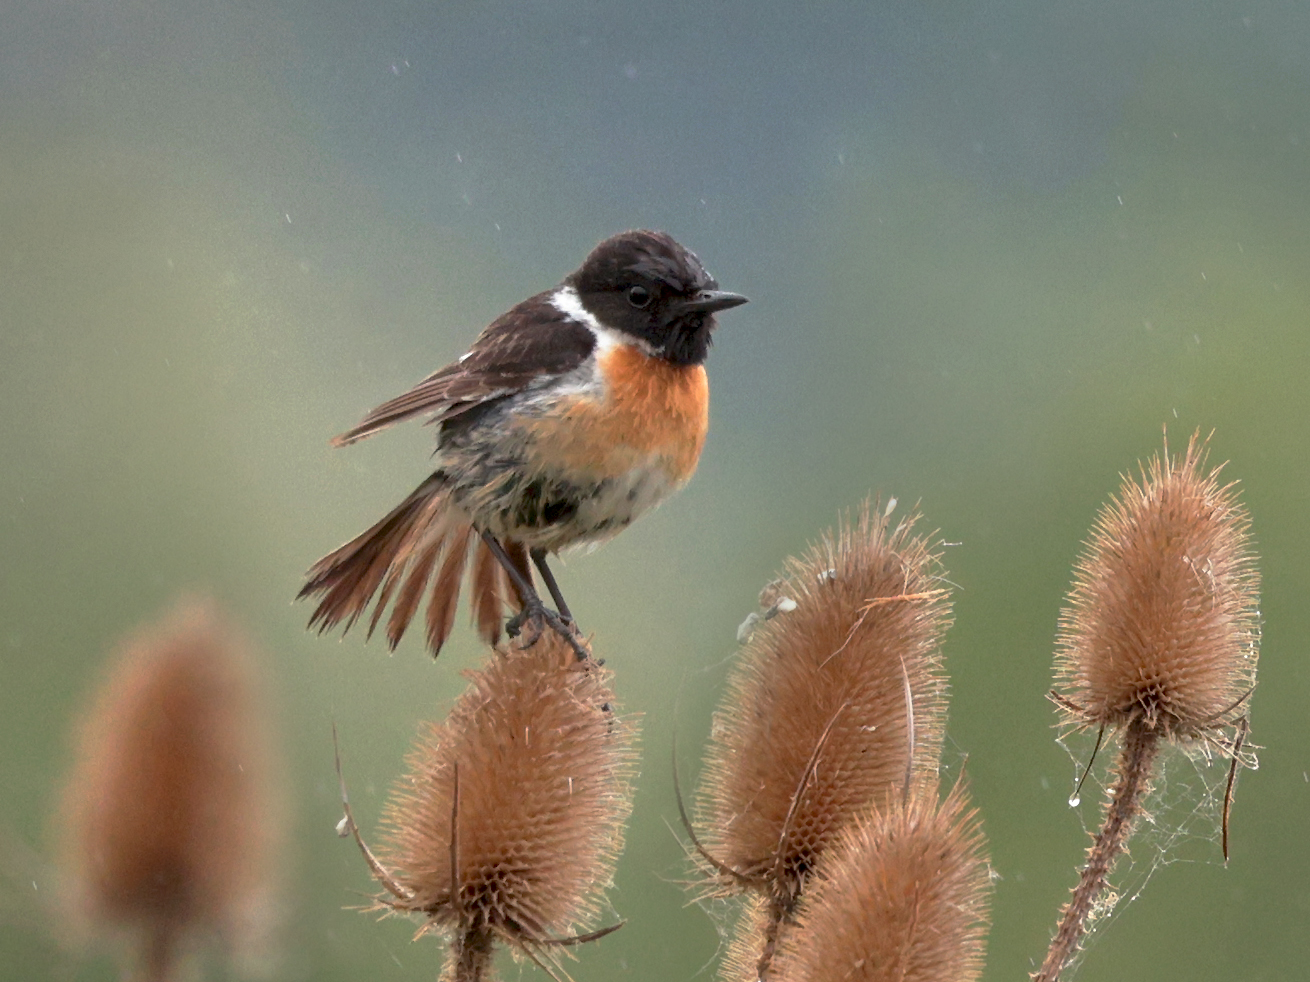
(536,617)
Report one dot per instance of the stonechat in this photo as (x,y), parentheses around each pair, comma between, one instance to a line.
(573,413)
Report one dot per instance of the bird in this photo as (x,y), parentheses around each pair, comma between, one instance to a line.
(572,414)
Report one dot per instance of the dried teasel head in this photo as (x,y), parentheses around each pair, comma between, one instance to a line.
(902,897)
(509,823)
(169,821)
(1162,624)
(836,704)
(1159,642)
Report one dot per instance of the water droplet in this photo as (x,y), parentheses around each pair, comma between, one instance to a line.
(1075,801)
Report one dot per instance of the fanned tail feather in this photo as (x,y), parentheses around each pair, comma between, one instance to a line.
(488,588)
(396,558)
(445,591)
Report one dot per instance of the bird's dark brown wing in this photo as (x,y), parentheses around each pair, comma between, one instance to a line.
(531,341)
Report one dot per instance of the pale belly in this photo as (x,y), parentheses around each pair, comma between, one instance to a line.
(579,466)
(572,514)
(553,510)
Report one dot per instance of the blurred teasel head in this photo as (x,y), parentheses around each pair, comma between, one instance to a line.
(169,821)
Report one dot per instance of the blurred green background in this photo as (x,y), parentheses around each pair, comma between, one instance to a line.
(992,250)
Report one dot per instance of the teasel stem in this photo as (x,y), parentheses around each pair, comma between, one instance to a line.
(1141,745)
(472,954)
(779,910)
(159,953)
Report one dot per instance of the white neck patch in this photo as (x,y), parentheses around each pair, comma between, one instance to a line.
(567,301)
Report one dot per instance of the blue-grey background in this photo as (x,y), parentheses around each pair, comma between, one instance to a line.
(992,250)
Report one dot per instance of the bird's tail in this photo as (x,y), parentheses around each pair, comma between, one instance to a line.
(426,539)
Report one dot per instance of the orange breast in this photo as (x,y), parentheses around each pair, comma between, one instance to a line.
(652,412)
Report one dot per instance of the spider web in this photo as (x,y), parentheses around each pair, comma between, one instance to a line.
(1181,819)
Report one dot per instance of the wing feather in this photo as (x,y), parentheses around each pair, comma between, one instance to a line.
(534,340)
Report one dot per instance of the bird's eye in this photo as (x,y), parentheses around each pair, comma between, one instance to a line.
(638,296)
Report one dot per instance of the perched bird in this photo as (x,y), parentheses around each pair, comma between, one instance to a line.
(573,413)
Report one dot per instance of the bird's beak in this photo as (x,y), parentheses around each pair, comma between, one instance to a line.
(708,301)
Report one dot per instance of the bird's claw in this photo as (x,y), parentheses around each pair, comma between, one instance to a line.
(538,616)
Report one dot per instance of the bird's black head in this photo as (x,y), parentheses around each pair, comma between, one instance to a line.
(646,285)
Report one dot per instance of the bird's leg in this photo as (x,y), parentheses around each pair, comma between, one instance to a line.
(539,560)
(521,583)
(533,608)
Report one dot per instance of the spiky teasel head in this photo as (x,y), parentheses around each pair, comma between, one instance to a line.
(1162,625)
(902,896)
(509,823)
(1159,642)
(835,705)
(169,821)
